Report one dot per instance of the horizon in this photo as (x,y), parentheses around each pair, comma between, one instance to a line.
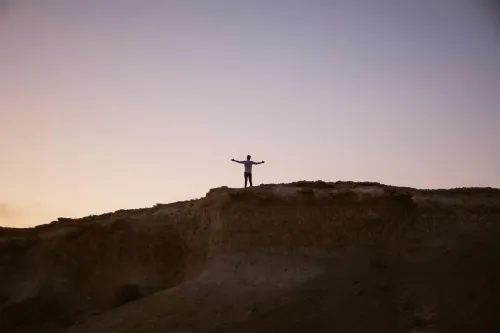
(110,105)
(368,183)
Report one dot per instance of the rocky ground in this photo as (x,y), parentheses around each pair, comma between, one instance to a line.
(300,257)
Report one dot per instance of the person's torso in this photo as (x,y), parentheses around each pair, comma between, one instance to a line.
(248,166)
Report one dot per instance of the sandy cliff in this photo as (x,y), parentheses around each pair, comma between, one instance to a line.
(301,257)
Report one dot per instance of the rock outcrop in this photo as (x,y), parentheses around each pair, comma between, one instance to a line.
(300,257)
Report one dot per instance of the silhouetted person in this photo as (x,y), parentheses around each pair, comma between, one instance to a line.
(248,168)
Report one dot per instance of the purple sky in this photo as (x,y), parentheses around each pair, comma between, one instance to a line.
(123,104)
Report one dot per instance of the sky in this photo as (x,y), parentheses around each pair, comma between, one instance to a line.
(118,104)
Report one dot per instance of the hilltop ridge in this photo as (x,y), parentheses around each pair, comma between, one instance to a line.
(338,185)
(256,259)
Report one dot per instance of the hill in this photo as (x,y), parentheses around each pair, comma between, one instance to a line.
(299,257)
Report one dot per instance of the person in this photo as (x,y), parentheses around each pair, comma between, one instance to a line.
(248,168)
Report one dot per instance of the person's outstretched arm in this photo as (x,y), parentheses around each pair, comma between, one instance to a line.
(236,161)
(259,162)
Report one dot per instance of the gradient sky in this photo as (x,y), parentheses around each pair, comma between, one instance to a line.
(118,104)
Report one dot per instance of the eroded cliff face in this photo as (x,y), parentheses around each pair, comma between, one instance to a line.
(344,257)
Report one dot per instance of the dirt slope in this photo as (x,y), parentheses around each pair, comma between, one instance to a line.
(301,257)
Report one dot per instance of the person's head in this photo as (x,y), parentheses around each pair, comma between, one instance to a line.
(249,157)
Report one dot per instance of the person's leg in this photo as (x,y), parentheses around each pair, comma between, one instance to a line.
(246,178)
(250,179)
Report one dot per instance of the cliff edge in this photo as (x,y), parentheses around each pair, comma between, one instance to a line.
(299,257)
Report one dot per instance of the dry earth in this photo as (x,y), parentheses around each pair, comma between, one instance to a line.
(300,257)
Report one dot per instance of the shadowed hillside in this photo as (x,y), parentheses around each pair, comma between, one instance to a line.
(299,257)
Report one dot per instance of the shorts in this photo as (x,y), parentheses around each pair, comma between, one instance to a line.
(248,175)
